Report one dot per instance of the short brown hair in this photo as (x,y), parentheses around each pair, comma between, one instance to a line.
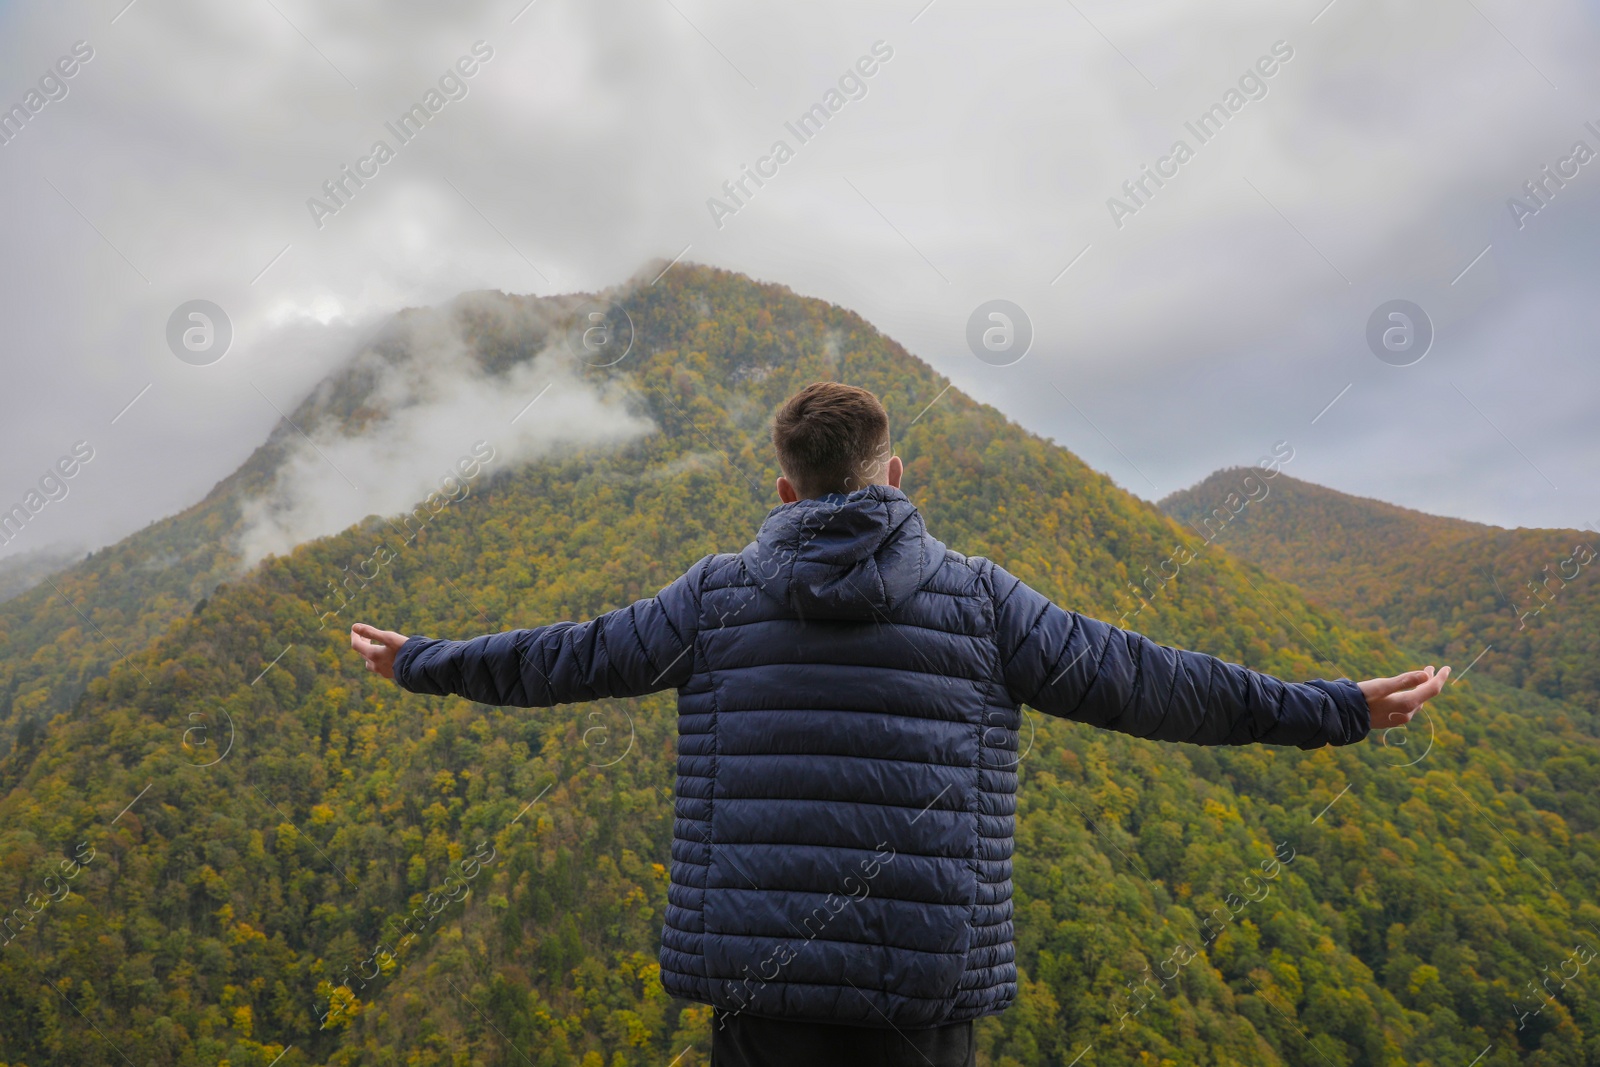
(831,438)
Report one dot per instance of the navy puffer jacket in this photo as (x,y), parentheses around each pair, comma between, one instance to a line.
(849,695)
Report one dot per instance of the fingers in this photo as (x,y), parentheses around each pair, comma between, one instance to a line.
(1387,686)
(384,638)
(1425,693)
(378,648)
(1378,688)
(1413,700)
(371,633)
(1394,701)
(370,643)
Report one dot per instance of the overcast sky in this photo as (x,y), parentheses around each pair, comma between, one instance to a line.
(1210,317)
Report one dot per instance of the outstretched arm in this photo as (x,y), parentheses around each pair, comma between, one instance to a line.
(642,648)
(1079,668)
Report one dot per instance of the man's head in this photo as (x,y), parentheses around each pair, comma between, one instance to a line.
(832,438)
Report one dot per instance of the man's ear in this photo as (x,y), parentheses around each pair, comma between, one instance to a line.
(786,491)
(894,472)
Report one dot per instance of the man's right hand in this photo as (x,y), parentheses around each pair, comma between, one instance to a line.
(1393,701)
(377,647)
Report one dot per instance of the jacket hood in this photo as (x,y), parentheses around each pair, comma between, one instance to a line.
(843,556)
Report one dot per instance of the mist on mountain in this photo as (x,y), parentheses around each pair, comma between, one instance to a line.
(426,397)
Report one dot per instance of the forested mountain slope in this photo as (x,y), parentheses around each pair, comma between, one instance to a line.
(1445,588)
(275,857)
(70,625)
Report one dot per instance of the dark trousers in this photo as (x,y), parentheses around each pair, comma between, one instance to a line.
(747,1041)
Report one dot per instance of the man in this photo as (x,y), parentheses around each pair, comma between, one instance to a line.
(848,695)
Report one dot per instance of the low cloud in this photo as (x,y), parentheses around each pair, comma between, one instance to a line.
(399,421)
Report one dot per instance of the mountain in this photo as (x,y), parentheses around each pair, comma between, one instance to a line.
(234,845)
(1522,606)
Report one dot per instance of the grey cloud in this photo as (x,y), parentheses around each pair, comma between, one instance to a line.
(1192,337)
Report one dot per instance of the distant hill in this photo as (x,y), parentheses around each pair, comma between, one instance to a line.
(278,858)
(1445,588)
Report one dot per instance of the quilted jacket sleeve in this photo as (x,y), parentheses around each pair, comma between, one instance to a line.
(1079,668)
(642,648)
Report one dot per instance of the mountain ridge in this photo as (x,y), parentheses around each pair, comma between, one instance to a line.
(1444,588)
